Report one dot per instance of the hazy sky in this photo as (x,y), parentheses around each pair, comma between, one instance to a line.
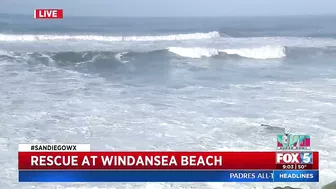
(174,7)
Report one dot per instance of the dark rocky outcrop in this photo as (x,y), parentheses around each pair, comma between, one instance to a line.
(330,186)
(286,187)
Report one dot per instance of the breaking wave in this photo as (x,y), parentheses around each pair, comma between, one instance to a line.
(262,53)
(266,52)
(190,36)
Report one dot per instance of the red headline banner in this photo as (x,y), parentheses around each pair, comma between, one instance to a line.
(166,160)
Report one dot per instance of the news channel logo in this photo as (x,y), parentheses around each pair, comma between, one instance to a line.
(293,142)
(294,158)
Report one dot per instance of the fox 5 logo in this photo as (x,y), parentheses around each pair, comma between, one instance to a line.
(306,158)
(295,158)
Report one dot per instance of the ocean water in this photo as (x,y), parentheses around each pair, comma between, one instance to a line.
(167,84)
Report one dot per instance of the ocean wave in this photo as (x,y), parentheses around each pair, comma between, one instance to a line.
(4,53)
(261,53)
(265,52)
(190,36)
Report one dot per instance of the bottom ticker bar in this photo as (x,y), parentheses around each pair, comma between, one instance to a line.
(169,176)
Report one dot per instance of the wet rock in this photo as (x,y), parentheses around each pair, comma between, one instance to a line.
(286,187)
(330,186)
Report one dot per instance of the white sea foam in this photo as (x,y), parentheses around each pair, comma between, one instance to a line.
(119,56)
(5,53)
(194,52)
(190,36)
(265,52)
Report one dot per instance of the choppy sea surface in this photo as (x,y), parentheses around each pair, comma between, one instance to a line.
(167,84)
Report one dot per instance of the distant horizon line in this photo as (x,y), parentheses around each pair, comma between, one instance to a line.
(203,16)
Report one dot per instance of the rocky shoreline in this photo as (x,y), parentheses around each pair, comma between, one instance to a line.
(331,185)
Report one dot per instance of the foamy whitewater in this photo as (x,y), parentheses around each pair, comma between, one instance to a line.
(167,84)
